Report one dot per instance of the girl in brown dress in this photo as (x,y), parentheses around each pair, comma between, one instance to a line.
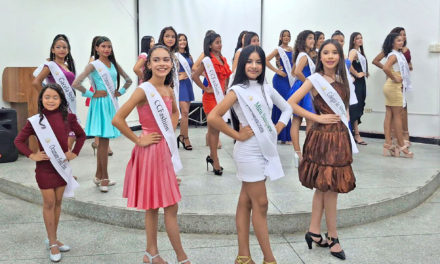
(327,153)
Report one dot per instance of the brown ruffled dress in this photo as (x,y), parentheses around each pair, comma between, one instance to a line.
(327,155)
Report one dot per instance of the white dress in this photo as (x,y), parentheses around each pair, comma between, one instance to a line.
(247,155)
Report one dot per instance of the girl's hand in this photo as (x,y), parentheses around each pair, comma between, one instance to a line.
(145,140)
(117,94)
(245,133)
(70,155)
(360,74)
(183,76)
(328,119)
(281,73)
(39,156)
(98,94)
(398,79)
(209,89)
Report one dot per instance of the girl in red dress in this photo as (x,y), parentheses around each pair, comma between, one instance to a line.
(53,105)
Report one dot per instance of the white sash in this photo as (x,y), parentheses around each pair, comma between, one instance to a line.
(334,101)
(144,53)
(176,83)
(353,99)
(61,80)
(309,60)
(215,83)
(53,150)
(287,65)
(256,110)
(184,64)
(104,73)
(163,120)
(363,62)
(404,73)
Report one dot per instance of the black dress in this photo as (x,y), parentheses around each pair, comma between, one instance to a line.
(357,110)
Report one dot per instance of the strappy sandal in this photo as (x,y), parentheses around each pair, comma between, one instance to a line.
(150,258)
(183,261)
(240,260)
(333,241)
(359,142)
(310,240)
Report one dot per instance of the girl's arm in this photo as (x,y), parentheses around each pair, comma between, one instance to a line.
(270,66)
(196,78)
(216,121)
(299,68)
(198,61)
(235,61)
(352,55)
(298,95)
(387,68)
(138,97)
(138,67)
(36,83)
(377,60)
(20,143)
(127,83)
(77,83)
(286,110)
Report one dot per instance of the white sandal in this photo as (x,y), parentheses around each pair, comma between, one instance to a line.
(150,258)
(54,257)
(183,261)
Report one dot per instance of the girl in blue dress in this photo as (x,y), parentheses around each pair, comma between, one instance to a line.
(186,93)
(102,109)
(304,66)
(280,81)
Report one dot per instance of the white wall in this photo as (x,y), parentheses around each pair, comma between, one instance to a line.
(28,28)
(194,17)
(374,19)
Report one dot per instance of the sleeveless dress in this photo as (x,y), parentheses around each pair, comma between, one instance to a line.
(150,180)
(101,110)
(282,85)
(186,93)
(327,156)
(306,102)
(357,110)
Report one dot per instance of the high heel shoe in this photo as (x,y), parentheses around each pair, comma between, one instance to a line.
(179,140)
(389,150)
(94,147)
(216,172)
(333,241)
(310,240)
(243,260)
(407,142)
(54,257)
(297,158)
(150,257)
(405,151)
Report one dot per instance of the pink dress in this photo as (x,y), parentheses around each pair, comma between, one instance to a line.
(150,180)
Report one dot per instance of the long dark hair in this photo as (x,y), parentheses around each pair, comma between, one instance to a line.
(317,35)
(68,59)
(300,43)
(387,46)
(239,41)
(111,57)
(248,37)
(341,73)
(209,39)
(186,53)
(145,43)
(242,79)
(361,47)
(162,35)
(93,50)
(63,108)
(398,30)
(148,73)
(338,33)
(280,41)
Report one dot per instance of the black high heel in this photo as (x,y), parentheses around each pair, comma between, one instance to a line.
(186,147)
(216,172)
(310,240)
(334,241)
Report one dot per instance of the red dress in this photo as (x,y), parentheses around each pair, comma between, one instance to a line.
(46,175)
(223,73)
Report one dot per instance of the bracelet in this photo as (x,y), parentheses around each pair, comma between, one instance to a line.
(88,94)
(122,90)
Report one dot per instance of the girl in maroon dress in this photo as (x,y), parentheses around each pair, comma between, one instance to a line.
(53,105)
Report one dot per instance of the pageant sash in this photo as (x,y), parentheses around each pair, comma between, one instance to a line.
(163,120)
(404,72)
(256,110)
(61,80)
(176,83)
(353,99)
(287,65)
(309,60)
(184,64)
(363,62)
(334,101)
(104,73)
(215,83)
(53,150)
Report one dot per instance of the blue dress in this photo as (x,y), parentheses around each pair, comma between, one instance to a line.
(281,84)
(306,102)
(101,110)
(186,93)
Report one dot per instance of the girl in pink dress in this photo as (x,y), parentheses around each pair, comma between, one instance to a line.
(150,179)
